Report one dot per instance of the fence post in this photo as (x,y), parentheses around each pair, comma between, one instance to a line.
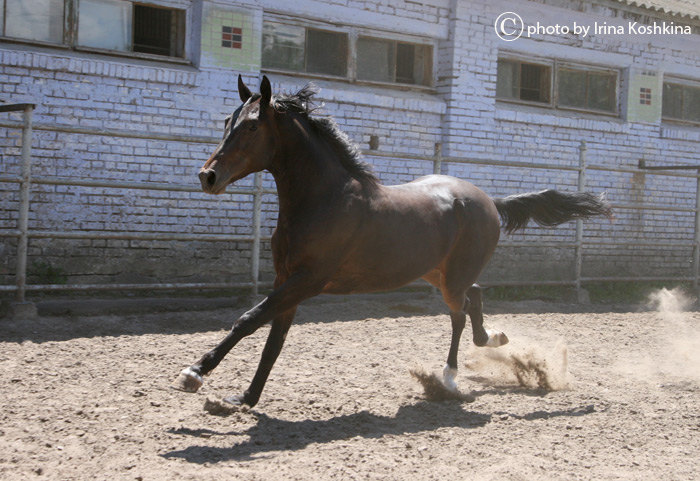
(437,158)
(21,308)
(581,294)
(437,169)
(255,250)
(696,247)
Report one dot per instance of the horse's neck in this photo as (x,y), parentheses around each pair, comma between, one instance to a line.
(307,174)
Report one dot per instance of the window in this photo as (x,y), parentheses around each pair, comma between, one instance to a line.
(40,20)
(681,102)
(518,80)
(557,85)
(391,61)
(291,46)
(302,49)
(114,25)
(586,89)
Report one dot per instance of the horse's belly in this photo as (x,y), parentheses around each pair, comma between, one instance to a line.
(383,270)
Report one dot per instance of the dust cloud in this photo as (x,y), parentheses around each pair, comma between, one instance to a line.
(528,364)
(675,353)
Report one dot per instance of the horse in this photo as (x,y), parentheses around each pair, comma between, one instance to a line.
(340,231)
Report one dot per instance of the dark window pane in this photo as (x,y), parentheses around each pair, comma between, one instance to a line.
(423,65)
(283,46)
(405,58)
(326,52)
(375,59)
(534,82)
(672,104)
(158,31)
(572,88)
(413,63)
(601,91)
(691,104)
(508,79)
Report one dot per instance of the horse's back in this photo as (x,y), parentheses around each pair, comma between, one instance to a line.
(411,228)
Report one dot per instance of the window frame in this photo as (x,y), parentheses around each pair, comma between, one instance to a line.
(353,33)
(70,34)
(538,62)
(588,68)
(555,65)
(308,26)
(395,45)
(682,82)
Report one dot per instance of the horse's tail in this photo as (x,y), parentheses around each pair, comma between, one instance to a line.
(549,208)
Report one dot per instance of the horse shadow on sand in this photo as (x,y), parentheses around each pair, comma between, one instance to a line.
(271,434)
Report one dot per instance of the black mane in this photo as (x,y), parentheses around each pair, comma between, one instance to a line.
(348,152)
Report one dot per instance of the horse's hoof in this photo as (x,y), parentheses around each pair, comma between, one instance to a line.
(237,401)
(188,381)
(496,338)
(448,377)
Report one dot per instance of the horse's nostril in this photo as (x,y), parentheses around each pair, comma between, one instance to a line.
(207,177)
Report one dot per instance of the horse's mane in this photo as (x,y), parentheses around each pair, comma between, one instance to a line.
(348,152)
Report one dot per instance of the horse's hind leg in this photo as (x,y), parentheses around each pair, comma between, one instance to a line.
(474,307)
(471,302)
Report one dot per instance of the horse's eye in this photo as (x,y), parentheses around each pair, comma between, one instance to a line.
(253,127)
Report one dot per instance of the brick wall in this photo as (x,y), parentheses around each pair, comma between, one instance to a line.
(102,92)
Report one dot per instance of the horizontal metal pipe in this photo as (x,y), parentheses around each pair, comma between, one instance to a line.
(243,238)
(635,279)
(117,184)
(637,244)
(124,133)
(642,206)
(553,245)
(527,283)
(636,170)
(241,285)
(129,287)
(146,236)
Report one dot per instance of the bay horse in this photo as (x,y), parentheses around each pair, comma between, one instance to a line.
(341,231)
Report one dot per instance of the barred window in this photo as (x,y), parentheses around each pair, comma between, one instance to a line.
(292,46)
(681,102)
(111,25)
(558,85)
(517,80)
(392,61)
(301,49)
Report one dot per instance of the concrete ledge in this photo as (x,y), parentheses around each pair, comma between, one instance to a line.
(22,311)
(96,307)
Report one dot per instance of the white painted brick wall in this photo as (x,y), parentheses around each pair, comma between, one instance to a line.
(114,93)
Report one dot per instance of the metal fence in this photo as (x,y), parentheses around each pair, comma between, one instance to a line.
(26,180)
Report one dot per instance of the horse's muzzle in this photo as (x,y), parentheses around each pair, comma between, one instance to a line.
(208,179)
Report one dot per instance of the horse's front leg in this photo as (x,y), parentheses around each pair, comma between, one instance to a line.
(273,347)
(283,299)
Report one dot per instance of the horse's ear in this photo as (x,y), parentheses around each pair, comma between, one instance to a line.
(243,91)
(265,92)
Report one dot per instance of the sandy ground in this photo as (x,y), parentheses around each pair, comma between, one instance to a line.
(88,397)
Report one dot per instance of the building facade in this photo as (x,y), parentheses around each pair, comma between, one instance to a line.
(404,79)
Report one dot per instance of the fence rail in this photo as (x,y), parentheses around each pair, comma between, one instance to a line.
(26,180)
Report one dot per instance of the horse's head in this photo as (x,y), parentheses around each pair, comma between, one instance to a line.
(247,145)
